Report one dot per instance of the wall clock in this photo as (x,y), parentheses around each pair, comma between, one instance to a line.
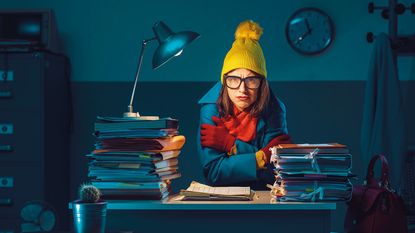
(309,31)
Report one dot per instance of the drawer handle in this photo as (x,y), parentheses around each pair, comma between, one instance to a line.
(6,128)
(6,182)
(6,202)
(6,76)
(5,94)
(6,148)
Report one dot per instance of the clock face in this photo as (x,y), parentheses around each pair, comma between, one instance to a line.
(309,31)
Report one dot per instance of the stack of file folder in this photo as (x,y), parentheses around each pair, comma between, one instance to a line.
(135,159)
(311,172)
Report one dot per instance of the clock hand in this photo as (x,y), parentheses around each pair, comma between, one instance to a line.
(307,25)
(302,36)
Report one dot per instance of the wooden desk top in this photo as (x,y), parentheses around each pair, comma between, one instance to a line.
(262,203)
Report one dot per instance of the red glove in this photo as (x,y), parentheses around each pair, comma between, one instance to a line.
(216,136)
(281,139)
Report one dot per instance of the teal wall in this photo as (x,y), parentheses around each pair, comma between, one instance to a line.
(102,37)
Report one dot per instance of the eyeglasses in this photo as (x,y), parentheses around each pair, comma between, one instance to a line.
(251,82)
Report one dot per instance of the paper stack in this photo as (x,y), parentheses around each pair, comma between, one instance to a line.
(135,159)
(311,172)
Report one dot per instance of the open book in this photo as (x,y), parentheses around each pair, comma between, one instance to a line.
(200,192)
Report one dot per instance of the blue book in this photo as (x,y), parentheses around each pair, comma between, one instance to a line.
(120,123)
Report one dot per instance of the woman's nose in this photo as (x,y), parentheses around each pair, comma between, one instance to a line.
(242,87)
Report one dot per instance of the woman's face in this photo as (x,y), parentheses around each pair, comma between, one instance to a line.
(242,97)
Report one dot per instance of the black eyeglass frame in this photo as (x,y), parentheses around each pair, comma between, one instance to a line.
(244,80)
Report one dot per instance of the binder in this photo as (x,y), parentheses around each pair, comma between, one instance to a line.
(141,144)
(318,162)
(136,133)
(105,155)
(121,123)
(314,190)
(333,148)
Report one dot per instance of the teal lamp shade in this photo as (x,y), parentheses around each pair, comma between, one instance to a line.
(170,44)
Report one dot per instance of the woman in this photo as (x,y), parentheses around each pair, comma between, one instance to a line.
(240,118)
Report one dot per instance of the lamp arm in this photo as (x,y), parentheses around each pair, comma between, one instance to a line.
(140,61)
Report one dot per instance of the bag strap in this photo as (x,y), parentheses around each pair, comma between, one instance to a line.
(384,179)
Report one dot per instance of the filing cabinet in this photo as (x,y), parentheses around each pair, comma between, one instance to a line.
(34,135)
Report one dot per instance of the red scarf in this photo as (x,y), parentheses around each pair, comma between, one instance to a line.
(242,125)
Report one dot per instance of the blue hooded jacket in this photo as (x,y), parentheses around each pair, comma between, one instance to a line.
(240,169)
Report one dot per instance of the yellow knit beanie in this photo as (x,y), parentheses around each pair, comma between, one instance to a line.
(246,51)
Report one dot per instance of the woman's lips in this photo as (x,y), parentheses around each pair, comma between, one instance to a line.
(242,98)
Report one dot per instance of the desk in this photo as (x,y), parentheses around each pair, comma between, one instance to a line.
(210,217)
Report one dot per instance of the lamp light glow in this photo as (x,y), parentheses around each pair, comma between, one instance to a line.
(179,53)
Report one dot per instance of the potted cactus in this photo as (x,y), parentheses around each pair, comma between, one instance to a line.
(89,210)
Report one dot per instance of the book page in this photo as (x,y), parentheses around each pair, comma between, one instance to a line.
(130,119)
(226,191)
(311,145)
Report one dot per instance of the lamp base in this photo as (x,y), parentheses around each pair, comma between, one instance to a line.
(136,115)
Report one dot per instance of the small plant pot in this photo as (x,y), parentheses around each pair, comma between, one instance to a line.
(89,217)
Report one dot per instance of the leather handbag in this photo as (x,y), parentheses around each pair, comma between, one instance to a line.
(375,207)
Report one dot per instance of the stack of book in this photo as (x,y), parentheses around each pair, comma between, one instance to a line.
(135,159)
(311,172)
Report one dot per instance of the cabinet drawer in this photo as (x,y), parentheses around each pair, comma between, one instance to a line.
(20,81)
(21,136)
(9,225)
(18,185)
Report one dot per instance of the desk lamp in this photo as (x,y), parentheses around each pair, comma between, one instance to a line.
(170,45)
